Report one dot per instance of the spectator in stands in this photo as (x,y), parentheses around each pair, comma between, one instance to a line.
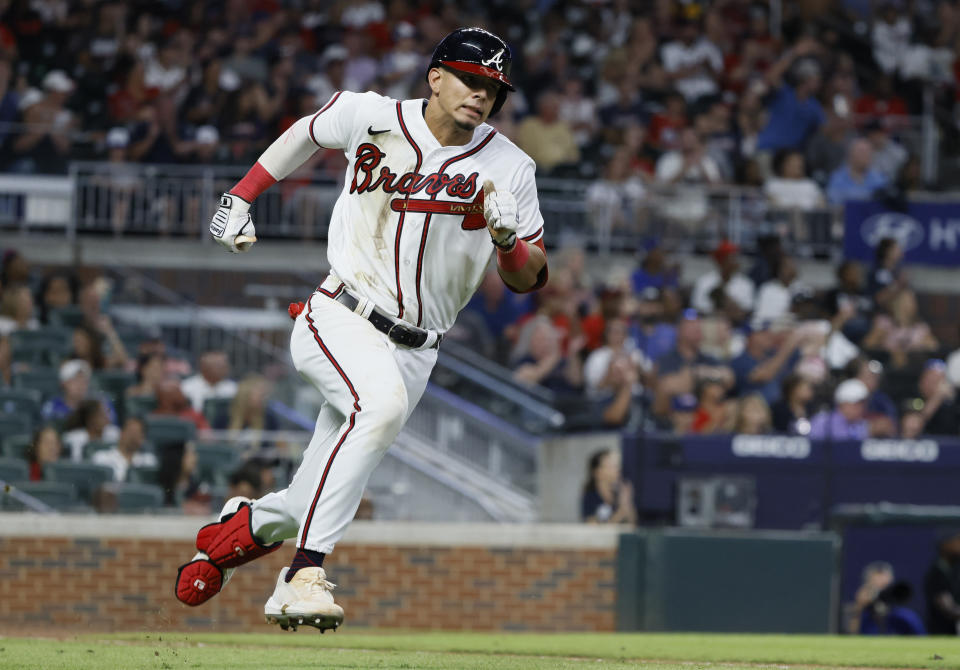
(171,401)
(577,110)
(654,270)
(827,149)
(545,363)
(714,413)
(791,414)
(57,290)
(848,420)
(692,62)
(99,325)
(128,452)
(794,112)
(891,35)
(9,104)
(902,333)
(177,476)
(499,311)
(856,180)
(792,189)
(881,102)
(211,381)
(46,141)
(548,140)
(766,361)
(683,407)
(940,410)
(248,410)
(14,269)
(75,375)
(753,416)
(912,423)
(879,404)
(727,275)
(665,125)
(45,447)
(680,370)
(246,481)
(654,333)
(888,156)
(875,578)
(887,277)
(16,309)
(614,201)
(847,304)
(88,347)
(689,163)
(775,297)
(941,587)
(6,361)
(614,372)
(150,372)
(88,423)
(607,496)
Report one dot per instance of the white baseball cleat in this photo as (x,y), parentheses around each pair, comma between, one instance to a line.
(307,600)
(229,507)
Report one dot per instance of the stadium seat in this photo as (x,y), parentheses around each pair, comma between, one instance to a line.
(85,476)
(215,461)
(114,383)
(58,495)
(16,424)
(70,316)
(15,446)
(45,380)
(143,475)
(163,430)
(46,346)
(139,405)
(217,411)
(135,498)
(14,469)
(93,446)
(21,401)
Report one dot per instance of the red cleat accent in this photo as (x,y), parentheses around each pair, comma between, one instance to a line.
(230,543)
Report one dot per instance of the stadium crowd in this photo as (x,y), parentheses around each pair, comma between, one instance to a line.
(633,93)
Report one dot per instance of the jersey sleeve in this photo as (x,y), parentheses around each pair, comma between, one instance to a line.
(524,188)
(334,124)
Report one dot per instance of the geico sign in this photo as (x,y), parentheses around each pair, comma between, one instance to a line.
(769,446)
(911,451)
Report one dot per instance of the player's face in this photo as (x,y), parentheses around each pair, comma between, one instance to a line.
(467,98)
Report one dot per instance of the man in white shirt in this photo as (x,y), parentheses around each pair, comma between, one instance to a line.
(737,286)
(211,381)
(129,451)
(693,62)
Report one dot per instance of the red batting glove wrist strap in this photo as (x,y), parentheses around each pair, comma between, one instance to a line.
(256,181)
(516,258)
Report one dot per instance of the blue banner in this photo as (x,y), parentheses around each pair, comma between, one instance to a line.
(928,232)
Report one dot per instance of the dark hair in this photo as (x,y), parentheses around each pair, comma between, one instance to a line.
(843,267)
(96,349)
(143,360)
(81,416)
(248,472)
(31,453)
(169,471)
(883,249)
(789,385)
(45,284)
(135,417)
(592,464)
(780,159)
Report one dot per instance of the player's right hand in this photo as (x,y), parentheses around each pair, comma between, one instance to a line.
(232,226)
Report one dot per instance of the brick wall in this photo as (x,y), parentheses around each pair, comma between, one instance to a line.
(117,583)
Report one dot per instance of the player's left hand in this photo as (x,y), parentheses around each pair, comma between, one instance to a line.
(232,226)
(501,213)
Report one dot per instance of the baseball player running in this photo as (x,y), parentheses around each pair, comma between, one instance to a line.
(429,185)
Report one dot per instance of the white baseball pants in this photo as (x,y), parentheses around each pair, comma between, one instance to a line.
(370,387)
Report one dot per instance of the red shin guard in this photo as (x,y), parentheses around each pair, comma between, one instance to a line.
(228,544)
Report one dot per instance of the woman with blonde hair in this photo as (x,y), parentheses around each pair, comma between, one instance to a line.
(248,411)
(753,416)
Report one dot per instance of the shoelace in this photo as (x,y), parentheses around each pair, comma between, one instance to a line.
(322,584)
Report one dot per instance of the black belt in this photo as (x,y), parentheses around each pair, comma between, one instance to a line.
(401,333)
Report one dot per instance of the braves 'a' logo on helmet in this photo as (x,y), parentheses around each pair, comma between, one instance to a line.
(496,60)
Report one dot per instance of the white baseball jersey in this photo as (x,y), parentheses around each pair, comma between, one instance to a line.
(408,231)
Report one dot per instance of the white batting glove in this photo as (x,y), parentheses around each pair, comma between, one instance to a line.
(502,215)
(232,226)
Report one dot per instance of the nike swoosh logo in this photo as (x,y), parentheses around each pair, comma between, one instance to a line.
(376,132)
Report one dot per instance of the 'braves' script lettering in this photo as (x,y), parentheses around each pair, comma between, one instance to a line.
(367,177)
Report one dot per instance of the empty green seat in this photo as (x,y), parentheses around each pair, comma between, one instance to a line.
(14,469)
(45,380)
(217,411)
(70,316)
(21,401)
(87,477)
(15,446)
(135,498)
(143,475)
(163,430)
(46,346)
(140,405)
(15,424)
(58,495)
(215,461)
(114,383)
(93,446)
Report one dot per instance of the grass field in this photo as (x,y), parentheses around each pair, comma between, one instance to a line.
(511,651)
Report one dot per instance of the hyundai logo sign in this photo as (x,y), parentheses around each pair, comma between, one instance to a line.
(904,229)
